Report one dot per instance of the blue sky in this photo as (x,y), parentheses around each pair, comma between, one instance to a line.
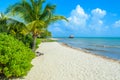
(87,18)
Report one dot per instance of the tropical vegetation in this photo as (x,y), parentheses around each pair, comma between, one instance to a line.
(14,28)
(18,38)
(35,17)
(15,57)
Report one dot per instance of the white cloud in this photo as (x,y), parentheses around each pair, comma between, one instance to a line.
(117,24)
(96,22)
(98,13)
(79,20)
(78,17)
(81,23)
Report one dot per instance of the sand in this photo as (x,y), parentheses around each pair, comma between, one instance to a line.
(64,63)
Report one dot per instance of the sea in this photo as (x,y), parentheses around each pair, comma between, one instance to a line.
(108,47)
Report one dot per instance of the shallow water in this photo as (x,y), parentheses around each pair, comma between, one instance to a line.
(109,47)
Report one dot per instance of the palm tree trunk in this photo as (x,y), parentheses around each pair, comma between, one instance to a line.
(34,43)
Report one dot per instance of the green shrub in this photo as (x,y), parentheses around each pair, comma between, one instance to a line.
(38,41)
(15,57)
(27,40)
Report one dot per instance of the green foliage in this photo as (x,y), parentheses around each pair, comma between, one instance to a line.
(27,40)
(15,57)
(3,22)
(38,41)
(35,16)
(16,28)
(47,40)
(45,34)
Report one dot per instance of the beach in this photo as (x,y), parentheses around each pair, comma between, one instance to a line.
(60,62)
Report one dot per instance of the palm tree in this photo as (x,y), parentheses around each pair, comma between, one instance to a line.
(15,28)
(11,26)
(36,18)
(3,22)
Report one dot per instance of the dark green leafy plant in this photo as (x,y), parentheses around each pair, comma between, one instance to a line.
(27,40)
(36,16)
(38,41)
(45,34)
(15,57)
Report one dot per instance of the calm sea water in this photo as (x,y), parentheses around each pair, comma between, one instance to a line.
(109,47)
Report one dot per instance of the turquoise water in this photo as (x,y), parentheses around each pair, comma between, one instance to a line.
(108,47)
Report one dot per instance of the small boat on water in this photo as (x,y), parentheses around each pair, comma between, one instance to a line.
(71,36)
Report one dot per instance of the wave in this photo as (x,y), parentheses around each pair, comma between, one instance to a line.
(105,46)
(91,49)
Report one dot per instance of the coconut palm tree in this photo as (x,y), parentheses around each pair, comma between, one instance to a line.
(11,26)
(15,28)
(3,22)
(35,16)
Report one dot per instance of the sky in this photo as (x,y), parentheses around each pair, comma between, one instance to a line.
(87,18)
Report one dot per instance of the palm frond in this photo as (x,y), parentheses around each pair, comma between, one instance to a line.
(55,18)
(36,17)
(23,9)
(40,2)
(37,24)
(47,12)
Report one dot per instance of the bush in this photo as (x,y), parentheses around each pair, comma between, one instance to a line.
(38,41)
(15,57)
(27,40)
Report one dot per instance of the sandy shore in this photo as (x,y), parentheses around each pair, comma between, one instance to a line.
(64,63)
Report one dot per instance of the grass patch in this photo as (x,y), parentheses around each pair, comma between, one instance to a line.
(47,40)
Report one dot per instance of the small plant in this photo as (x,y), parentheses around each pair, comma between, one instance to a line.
(15,57)
(38,41)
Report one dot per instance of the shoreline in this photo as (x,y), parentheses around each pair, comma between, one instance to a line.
(61,62)
(84,51)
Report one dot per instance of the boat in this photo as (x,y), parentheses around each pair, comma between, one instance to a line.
(71,36)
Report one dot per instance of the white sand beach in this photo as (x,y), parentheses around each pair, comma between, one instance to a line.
(64,63)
